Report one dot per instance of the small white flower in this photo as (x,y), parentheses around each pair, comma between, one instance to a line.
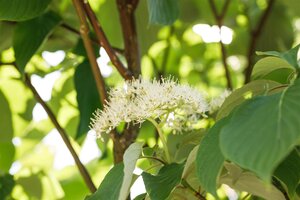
(169,102)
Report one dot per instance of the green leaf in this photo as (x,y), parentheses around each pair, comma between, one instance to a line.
(160,186)
(27,183)
(240,95)
(130,157)
(87,96)
(30,35)
(19,10)
(163,12)
(269,64)
(7,184)
(289,172)
(263,131)
(141,196)
(290,56)
(117,182)
(110,186)
(210,159)
(7,149)
(241,180)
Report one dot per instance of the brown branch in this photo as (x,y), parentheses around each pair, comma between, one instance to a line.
(190,188)
(125,73)
(126,14)
(83,171)
(219,19)
(75,31)
(255,34)
(84,31)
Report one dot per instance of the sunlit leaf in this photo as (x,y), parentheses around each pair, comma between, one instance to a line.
(19,10)
(130,157)
(87,96)
(241,180)
(265,130)
(237,97)
(160,186)
(269,64)
(29,36)
(7,149)
(290,56)
(163,12)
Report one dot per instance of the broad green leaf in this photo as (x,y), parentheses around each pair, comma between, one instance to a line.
(30,35)
(240,95)
(87,96)
(130,157)
(163,12)
(7,184)
(288,172)
(263,131)
(190,162)
(269,64)
(290,56)
(180,145)
(19,10)
(209,160)
(160,186)
(117,182)
(7,149)
(110,187)
(241,180)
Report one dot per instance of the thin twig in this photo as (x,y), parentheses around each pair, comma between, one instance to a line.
(84,31)
(219,19)
(83,171)
(196,193)
(95,41)
(154,158)
(253,40)
(125,73)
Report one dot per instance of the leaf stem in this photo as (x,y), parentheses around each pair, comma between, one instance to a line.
(162,138)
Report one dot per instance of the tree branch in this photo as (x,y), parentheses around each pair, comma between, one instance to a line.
(96,42)
(84,30)
(83,171)
(125,73)
(219,19)
(255,34)
(126,14)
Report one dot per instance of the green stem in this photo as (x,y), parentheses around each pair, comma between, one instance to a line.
(162,138)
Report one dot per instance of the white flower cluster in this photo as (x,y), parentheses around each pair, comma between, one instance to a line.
(139,100)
